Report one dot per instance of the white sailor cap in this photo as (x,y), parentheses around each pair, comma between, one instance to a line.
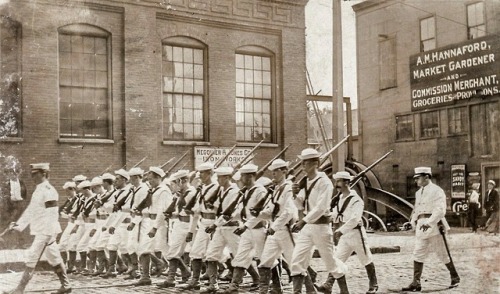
(123,173)
(84,184)
(96,181)
(69,185)
(248,169)
(79,178)
(135,171)
(264,181)
(224,171)
(237,176)
(422,171)
(309,153)
(40,167)
(205,166)
(157,170)
(342,175)
(108,176)
(278,163)
(492,182)
(183,173)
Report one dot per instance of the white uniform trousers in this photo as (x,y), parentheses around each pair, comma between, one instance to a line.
(432,244)
(83,244)
(177,238)
(145,243)
(276,245)
(102,241)
(117,241)
(64,240)
(133,239)
(97,235)
(250,246)
(160,242)
(75,238)
(47,244)
(222,238)
(320,236)
(201,240)
(351,242)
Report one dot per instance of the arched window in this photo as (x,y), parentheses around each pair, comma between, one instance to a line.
(10,74)
(254,94)
(184,89)
(84,82)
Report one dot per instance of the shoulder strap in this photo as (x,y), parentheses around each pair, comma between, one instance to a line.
(308,192)
(222,197)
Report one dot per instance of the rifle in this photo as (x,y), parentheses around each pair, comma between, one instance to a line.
(177,162)
(263,169)
(192,201)
(135,165)
(118,205)
(221,160)
(262,202)
(210,155)
(248,155)
(171,208)
(167,162)
(226,214)
(209,203)
(358,178)
(106,170)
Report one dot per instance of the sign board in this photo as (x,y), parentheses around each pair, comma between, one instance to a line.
(455,73)
(202,153)
(458,181)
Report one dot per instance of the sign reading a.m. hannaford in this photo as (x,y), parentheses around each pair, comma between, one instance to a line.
(455,73)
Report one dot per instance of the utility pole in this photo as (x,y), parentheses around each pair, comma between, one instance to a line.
(338,90)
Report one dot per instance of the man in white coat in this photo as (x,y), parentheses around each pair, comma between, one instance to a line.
(41,216)
(430,226)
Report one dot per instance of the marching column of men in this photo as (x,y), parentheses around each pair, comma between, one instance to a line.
(260,223)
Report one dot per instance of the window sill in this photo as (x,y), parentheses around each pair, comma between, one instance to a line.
(185,143)
(11,140)
(428,138)
(404,140)
(264,145)
(457,135)
(86,141)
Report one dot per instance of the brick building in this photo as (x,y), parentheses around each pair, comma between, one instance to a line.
(94,84)
(428,88)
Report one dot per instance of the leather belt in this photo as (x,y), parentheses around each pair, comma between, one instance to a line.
(102,217)
(324,219)
(424,215)
(260,225)
(152,216)
(185,218)
(126,221)
(231,224)
(208,215)
(125,209)
(90,221)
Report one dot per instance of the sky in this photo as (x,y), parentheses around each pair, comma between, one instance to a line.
(319,47)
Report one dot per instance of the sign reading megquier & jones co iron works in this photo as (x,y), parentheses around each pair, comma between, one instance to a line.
(455,73)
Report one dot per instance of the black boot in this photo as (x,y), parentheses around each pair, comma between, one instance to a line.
(91,263)
(28,273)
(64,256)
(213,286)
(417,273)
(455,279)
(229,276)
(170,281)
(312,273)
(276,285)
(145,261)
(234,286)
(265,278)
(102,262)
(309,285)
(372,277)
(194,282)
(327,286)
(298,281)
(83,262)
(159,264)
(133,272)
(255,278)
(71,262)
(111,273)
(343,285)
(185,270)
(122,263)
(286,267)
(60,270)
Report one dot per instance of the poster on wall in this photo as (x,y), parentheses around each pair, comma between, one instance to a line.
(458,181)
(201,154)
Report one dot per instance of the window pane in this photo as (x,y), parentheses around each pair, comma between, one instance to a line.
(64,43)
(89,62)
(266,63)
(198,71)
(266,106)
(240,61)
(65,127)
(198,102)
(240,104)
(248,134)
(65,77)
(429,123)
(88,45)
(178,85)
(188,116)
(198,86)
(404,127)
(257,75)
(248,76)
(257,105)
(167,51)
(101,46)
(266,78)
(101,111)
(188,86)
(64,60)
(76,60)
(88,95)
(187,101)
(258,91)
(248,90)
(89,78)
(177,53)
(65,94)
(77,78)
(65,110)
(198,56)
(188,70)
(168,84)
(248,119)
(77,44)
(240,75)
(266,120)
(248,105)
(178,69)
(101,128)
(198,116)
(266,92)
(240,133)
(240,90)
(101,62)
(240,118)
(101,79)
(76,95)
(248,62)
(188,55)
(257,62)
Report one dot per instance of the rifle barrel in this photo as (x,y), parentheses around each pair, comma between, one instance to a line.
(360,175)
(177,162)
(221,160)
(167,162)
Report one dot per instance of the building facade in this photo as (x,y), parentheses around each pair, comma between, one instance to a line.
(96,85)
(428,88)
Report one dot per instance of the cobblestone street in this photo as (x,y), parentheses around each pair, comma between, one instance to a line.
(476,258)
